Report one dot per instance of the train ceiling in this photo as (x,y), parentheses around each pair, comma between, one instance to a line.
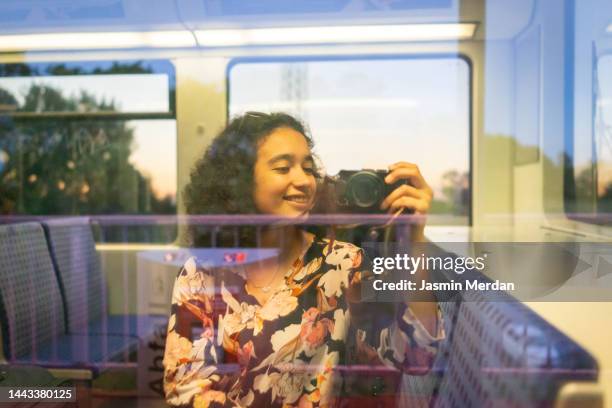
(53,16)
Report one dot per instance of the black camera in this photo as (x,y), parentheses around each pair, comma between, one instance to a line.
(356,191)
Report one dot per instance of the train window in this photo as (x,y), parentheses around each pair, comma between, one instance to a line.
(603,135)
(369,113)
(86,93)
(589,185)
(89,139)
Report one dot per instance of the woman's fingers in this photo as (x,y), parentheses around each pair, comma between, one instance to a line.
(406,171)
(416,196)
(405,190)
(401,164)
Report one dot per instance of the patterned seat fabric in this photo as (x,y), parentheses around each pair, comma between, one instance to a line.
(497,352)
(80,275)
(504,354)
(32,311)
(31,299)
(74,254)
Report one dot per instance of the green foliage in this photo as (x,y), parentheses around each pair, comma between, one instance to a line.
(7,98)
(9,70)
(456,192)
(71,166)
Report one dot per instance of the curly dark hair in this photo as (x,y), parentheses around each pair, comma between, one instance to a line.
(222,180)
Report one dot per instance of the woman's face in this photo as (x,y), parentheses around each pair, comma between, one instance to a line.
(284,177)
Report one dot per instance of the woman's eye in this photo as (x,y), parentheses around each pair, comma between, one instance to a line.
(281,169)
(309,170)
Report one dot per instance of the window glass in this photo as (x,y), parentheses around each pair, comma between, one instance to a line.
(88,167)
(103,93)
(589,191)
(59,156)
(369,113)
(603,135)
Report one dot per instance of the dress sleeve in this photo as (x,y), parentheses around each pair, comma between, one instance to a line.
(191,358)
(390,332)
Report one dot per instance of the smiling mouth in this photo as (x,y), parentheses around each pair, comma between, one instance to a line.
(298,199)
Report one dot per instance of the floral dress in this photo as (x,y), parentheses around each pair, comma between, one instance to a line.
(225,349)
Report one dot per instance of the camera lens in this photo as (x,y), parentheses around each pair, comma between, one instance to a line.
(365,189)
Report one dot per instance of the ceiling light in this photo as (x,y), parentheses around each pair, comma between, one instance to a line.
(98,40)
(335,34)
(237,37)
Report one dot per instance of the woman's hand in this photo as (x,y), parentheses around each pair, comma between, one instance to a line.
(416,195)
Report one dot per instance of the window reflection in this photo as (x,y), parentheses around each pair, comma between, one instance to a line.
(603,135)
(373,112)
(62,154)
(88,167)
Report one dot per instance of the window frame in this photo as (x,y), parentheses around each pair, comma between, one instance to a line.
(569,196)
(161,66)
(380,57)
(40,69)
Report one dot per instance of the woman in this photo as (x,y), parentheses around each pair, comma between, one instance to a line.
(277,333)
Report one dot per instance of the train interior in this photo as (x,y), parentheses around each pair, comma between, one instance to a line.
(106,105)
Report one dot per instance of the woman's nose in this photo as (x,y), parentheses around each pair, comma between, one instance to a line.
(300,177)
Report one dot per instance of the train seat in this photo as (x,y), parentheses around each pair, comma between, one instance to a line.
(497,352)
(503,354)
(74,254)
(34,328)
